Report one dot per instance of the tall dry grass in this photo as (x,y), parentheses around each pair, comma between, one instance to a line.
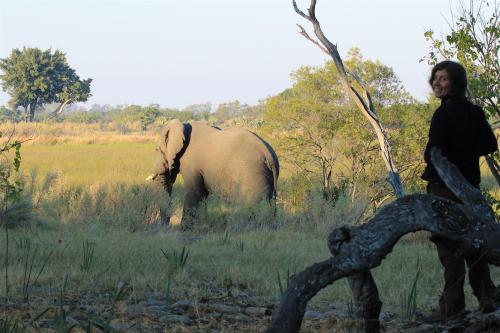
(75,133)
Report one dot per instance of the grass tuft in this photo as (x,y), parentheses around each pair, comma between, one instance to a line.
(87,256)
(176,260)
(409,299)
(32,258)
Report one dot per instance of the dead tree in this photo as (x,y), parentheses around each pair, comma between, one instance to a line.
(365,293)
(469,226)
(361,98)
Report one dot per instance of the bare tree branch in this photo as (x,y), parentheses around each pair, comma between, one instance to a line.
(304,33)
(361,99)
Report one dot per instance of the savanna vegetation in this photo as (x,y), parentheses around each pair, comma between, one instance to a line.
(83,246)
(84,214)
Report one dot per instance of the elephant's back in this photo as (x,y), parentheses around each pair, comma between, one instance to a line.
(250,163)
(234,162)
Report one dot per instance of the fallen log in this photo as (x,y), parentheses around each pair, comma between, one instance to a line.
(470,226)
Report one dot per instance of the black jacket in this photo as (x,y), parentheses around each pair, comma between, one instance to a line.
(459,128)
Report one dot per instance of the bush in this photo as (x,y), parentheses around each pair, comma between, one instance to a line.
(134,207)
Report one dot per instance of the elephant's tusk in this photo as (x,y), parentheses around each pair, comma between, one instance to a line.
(150,177)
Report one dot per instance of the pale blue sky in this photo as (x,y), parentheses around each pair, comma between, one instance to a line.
(181,52)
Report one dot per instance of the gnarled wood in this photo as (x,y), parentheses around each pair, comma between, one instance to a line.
(470,226)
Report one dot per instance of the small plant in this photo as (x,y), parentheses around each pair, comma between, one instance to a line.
(61,323)
(178,260)
(31,258)
(225,238)
(228,282)
(120,291)
(168,297)
(10,193)
(87,256)
(240,245)
(22,243)
(8,325)
(104,325)
(283,285)
(409,300)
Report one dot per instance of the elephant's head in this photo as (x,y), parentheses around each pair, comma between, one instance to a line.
(169,145)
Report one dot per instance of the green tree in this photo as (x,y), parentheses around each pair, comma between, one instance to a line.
(33,77)
(318,130)
(7,114)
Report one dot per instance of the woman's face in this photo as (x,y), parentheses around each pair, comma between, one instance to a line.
(441,85)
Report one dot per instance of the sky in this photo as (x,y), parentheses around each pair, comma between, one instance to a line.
(177,53)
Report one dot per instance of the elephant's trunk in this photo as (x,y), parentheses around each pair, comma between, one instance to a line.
(162,180)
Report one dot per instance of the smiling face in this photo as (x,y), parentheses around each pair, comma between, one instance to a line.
(441,84)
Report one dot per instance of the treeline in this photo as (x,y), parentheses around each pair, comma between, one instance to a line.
(136,117)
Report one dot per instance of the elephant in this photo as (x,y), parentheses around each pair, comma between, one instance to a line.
(236,164)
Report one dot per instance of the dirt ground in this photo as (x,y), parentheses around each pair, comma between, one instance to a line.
(76,313)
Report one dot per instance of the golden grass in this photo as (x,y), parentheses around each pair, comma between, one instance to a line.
(83,164)
(57,133)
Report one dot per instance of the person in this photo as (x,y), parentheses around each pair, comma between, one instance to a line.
(460,130)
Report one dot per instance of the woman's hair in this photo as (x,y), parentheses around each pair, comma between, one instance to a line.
(457,75)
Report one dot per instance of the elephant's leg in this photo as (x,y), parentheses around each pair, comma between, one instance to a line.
(195,193)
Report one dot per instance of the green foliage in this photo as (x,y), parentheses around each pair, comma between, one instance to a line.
(494,203)
(474,41)
(405,124)
(225,238)
(283,285)
(240,245)
(60,322)
(87,255)
(176,260)
(7,114)
(33,77)
(105,324)
(8,325)
(133,207)
(34,261)
(86,117)
(409,298)
(319,133)
(137,114)
(10,190)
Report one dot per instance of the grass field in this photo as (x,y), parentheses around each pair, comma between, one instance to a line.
(87,164)
(100,200)
(249,260)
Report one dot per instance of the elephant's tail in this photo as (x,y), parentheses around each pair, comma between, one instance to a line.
(275,169)
(275,177)
(274,165)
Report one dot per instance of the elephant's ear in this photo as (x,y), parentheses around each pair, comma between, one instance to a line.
(173,141)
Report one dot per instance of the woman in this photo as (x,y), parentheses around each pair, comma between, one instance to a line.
(460,130)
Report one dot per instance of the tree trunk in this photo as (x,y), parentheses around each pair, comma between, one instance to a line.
(364,103)
(32,111)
